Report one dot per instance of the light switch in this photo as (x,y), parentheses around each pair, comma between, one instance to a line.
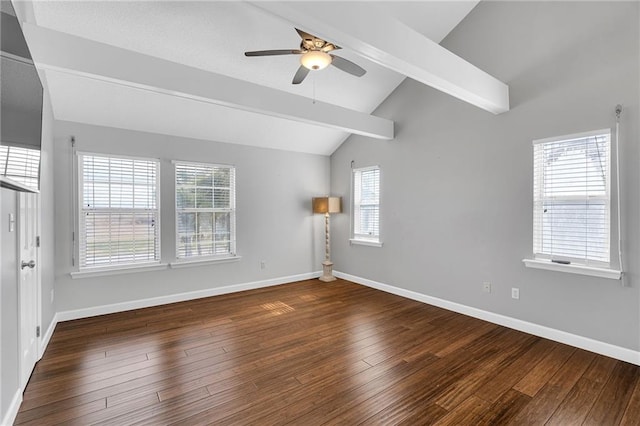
(12,222)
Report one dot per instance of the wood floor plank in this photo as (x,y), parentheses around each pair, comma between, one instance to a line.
(540,374)
(198,365)
(388,402)
(468,336)
(448,378)
(220,367)
(505,409)
(89,417)
(132,413)
(425,414)
(406,394)
(220,406)
(84,369)
(307,398)
(505,379)
(330,368)
(632,412)
(613,400)
(56,415)
(470,383)
(467,413)
(546,401)
(312,353)
(578,402)
(350,387)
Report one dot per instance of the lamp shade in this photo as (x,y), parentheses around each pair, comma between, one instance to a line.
(315,60)
(327,205)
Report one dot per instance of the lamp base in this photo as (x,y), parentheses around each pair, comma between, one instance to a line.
(327,272)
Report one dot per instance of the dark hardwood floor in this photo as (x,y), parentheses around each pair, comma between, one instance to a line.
(312,353)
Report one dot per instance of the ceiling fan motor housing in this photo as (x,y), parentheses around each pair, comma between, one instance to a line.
(317,44)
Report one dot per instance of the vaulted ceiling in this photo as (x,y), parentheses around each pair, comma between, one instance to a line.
(178,68)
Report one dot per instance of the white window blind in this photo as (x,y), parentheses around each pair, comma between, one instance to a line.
(366,204)
(119,217)
(205,210)
(572,198)
(20,164)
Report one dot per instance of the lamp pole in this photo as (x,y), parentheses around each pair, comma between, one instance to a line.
(327,241)
(327,205)
(327,265)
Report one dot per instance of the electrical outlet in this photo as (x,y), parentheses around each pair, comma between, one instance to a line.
(515,293)
(486,287)
(263,264)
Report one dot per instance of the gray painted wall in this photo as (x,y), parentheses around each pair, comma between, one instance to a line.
(9,280)
(456,183)
(9,297)
(274,219)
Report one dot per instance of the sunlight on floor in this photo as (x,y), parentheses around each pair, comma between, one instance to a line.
(277,308)
(308,297)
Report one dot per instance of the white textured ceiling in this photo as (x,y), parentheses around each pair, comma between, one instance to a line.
(212,36)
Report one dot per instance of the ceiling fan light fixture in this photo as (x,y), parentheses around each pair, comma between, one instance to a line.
(315,60)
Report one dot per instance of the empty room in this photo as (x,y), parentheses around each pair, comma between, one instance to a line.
(309,213)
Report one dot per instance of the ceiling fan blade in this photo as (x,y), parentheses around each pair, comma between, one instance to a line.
(347,66)
(274,52)
(300,75)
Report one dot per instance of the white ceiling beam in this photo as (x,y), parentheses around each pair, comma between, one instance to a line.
(366,30)
(63,52)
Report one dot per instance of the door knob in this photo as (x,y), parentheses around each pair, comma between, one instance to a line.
(31,264)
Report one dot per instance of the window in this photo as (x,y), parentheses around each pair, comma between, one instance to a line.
(205,210)
(119,218)
(366,204)
(20,164)
(571,198)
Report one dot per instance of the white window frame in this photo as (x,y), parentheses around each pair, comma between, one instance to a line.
(546,258)
(359,238)
(115,268)
(231,255)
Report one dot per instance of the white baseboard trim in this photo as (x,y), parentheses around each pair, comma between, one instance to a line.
(581,342)
(46,337)
(12,412)
(179,297)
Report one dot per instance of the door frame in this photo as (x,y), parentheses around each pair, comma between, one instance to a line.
(38,296)
(40,347)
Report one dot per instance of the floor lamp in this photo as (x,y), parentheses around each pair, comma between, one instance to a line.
(327,205)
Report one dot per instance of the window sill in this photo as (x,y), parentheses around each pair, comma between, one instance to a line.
(611,274)
(365,243)
(103,272)
(203,262)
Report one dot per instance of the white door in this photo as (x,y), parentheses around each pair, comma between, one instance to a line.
(28,287)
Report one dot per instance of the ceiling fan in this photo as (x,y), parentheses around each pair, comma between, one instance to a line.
(315,56)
